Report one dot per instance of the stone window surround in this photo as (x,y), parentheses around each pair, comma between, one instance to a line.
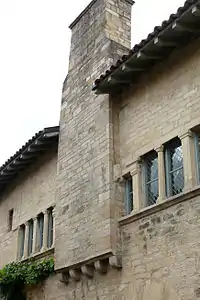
(45,248)
(190,173)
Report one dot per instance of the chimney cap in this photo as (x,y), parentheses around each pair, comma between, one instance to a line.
(86,10)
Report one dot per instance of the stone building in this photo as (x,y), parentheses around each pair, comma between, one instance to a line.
(116,200)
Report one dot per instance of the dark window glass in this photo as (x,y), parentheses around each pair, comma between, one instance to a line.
(174,167)
(30,237)
(10,219)
(50,228)
(128,195)
(40,230)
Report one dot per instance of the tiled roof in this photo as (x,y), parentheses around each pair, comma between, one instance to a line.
(28,154)
(172,33)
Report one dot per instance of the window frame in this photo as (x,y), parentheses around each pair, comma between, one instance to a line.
(128,194)
(168,170)
(147,182)
(10,219)
(30,236)
(50,232)
(40,230)
(21,240)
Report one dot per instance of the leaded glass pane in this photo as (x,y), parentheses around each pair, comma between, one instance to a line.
(151,177)
(174,168)
(152,167)
(176,158)
(152,191)
(177,181)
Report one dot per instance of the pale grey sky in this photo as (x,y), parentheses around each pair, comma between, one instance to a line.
(35,40)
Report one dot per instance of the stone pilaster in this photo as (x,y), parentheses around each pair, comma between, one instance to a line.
(161,174)
(188,146)
(138,199)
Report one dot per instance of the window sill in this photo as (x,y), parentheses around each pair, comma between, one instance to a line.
(149,210)
(38,255)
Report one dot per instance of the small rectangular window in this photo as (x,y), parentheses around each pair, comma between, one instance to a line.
(21,240)
(10,219)
(150,172)
(128,194)
(50,228)
(174,167)
(40,221)
(30,237)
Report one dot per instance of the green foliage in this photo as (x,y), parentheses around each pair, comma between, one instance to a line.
(15,276)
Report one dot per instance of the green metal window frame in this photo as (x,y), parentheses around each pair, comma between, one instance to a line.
(50,228)
(30,237)
(147,182)
(128,186)
(169,170)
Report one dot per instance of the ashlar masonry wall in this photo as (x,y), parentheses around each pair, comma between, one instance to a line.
(85,224)
(160,259)
(164,104)
(31,193)
(160,245)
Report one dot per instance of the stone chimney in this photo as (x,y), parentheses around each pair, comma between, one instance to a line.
(85,218)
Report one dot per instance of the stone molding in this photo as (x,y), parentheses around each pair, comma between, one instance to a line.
(38,255)
(149,210)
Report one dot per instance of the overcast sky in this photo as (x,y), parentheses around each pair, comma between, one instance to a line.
(34,48)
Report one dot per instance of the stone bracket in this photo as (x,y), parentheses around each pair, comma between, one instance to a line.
(75,274)
(115,262)
(101,266)
(88,270)
(64,277)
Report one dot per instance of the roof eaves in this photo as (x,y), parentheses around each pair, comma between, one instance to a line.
(105,83)
(27,154)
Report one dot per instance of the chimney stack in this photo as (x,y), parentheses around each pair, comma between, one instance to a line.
(85,223)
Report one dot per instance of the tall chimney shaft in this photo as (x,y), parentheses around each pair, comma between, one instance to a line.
(85,222)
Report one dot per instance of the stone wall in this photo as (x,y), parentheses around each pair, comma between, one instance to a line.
(163,105)
(85,223)
(160,260)
(32,192)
